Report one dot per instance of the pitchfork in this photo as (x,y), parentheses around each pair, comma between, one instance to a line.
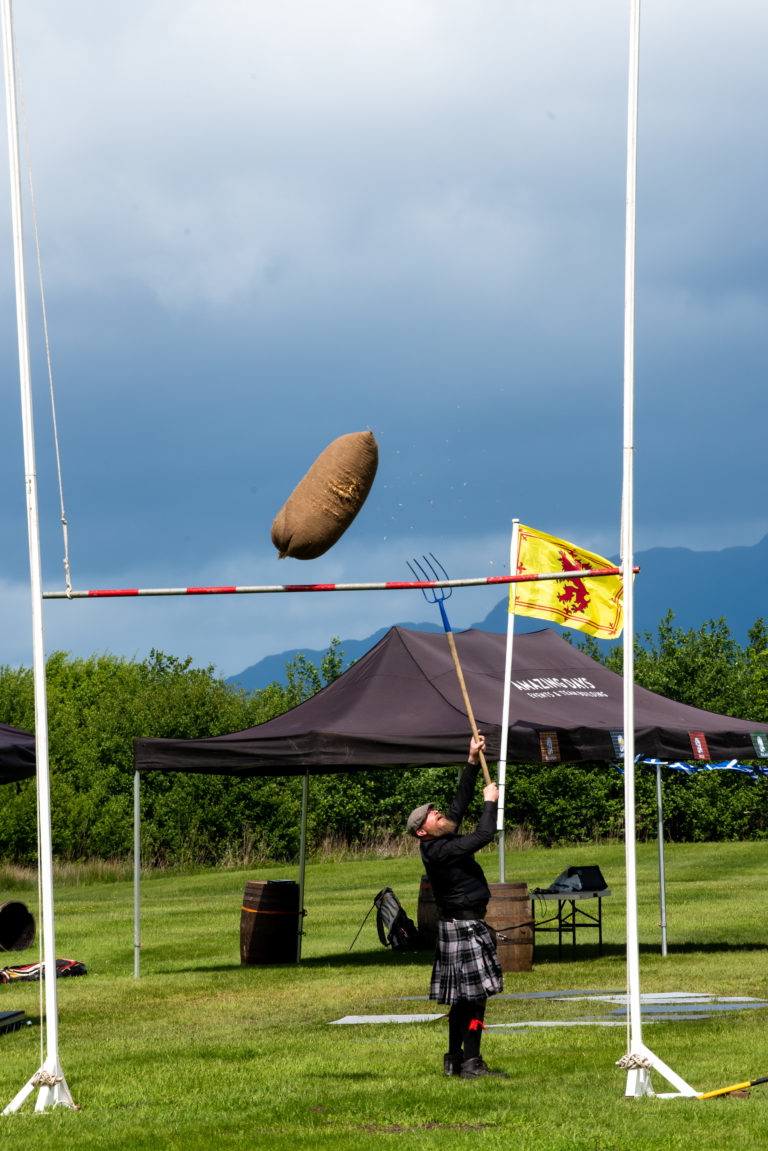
(430,570)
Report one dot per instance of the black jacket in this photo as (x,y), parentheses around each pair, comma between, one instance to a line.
(458,882)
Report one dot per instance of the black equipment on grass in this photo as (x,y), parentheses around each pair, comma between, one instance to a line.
(32,972)
(588,878)
(12,1021)
(396,929)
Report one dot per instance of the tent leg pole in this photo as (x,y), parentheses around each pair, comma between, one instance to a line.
(136,872)
(662,874)
(302,861)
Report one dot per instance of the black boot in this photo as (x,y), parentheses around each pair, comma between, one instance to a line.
(474,1068)
(452,1063)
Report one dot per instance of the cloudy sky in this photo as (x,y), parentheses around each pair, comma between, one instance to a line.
(265,225)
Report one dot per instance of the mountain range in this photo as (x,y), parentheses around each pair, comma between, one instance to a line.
(695,586)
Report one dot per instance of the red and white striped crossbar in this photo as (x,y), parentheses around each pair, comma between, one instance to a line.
(392,585)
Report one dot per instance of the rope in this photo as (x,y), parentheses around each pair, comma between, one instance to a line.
(514,926)
(44,311)
(632,1062)
(264,911)
(43,1078)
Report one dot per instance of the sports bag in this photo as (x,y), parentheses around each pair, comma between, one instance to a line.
(30,972)
(395,929)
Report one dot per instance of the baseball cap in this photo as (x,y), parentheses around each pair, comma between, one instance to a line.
(417,817)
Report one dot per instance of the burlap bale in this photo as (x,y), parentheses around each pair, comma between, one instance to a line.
(322,506)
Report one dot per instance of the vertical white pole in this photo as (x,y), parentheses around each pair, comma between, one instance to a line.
(637,1078)
(639,1059)
(136,872)
(49,1078)
(302,861)
(502,766)
(662,874)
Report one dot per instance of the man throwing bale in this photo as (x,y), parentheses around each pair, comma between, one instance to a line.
(466,969)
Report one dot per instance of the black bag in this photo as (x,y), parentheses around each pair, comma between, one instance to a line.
(395,928)
(591,878)
(573,879)
(30,972)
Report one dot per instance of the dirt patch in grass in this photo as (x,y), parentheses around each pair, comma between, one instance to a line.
(398,1129)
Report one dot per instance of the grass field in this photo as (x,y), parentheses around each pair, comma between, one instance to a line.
(201,1052)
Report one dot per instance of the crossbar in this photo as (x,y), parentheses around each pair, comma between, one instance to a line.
(391,585)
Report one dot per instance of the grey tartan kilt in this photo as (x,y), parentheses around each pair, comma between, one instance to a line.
(466,964)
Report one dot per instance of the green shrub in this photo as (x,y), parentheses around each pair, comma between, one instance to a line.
(98,705)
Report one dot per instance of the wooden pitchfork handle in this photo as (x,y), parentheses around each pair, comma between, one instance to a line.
(467,704)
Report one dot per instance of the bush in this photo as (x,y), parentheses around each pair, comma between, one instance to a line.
(98,705)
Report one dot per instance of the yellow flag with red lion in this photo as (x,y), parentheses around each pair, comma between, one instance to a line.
(592,604)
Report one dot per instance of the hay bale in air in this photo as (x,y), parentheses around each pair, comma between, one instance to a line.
(322,506)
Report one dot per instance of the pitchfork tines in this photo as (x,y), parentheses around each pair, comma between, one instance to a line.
(426,571)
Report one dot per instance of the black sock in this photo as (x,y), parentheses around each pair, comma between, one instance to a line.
(474,1032)
(458,1022)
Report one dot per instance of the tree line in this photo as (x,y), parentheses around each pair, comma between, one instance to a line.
(97,706)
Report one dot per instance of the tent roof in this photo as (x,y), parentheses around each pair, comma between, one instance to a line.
(17,754)
(401,704)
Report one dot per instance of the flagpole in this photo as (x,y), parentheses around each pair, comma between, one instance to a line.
(502,765)
(49,1078)
(639,1060)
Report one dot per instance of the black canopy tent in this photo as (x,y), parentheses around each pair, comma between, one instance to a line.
(17,754)
(17,762)
(400,705)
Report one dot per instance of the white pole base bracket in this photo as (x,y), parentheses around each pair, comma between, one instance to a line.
(639,1064)
(54,1091)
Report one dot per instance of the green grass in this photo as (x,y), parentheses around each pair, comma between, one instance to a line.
(202,1052)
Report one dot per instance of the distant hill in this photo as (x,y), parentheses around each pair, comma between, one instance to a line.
(696,586)
(272,667)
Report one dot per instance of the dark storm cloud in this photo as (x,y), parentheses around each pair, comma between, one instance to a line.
(265,226)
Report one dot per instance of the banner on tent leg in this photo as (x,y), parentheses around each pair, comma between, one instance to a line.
(617,738)
(760,743)
(699,744)
(550,747)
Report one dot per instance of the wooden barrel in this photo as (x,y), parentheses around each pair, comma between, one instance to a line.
(426,915)
(269,922)
(509,913)
(17,926)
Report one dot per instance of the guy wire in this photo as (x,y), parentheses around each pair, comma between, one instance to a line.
(42,301)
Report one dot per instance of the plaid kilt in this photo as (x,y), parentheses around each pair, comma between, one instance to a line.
(466,964)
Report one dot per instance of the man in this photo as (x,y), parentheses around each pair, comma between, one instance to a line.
(466,969)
